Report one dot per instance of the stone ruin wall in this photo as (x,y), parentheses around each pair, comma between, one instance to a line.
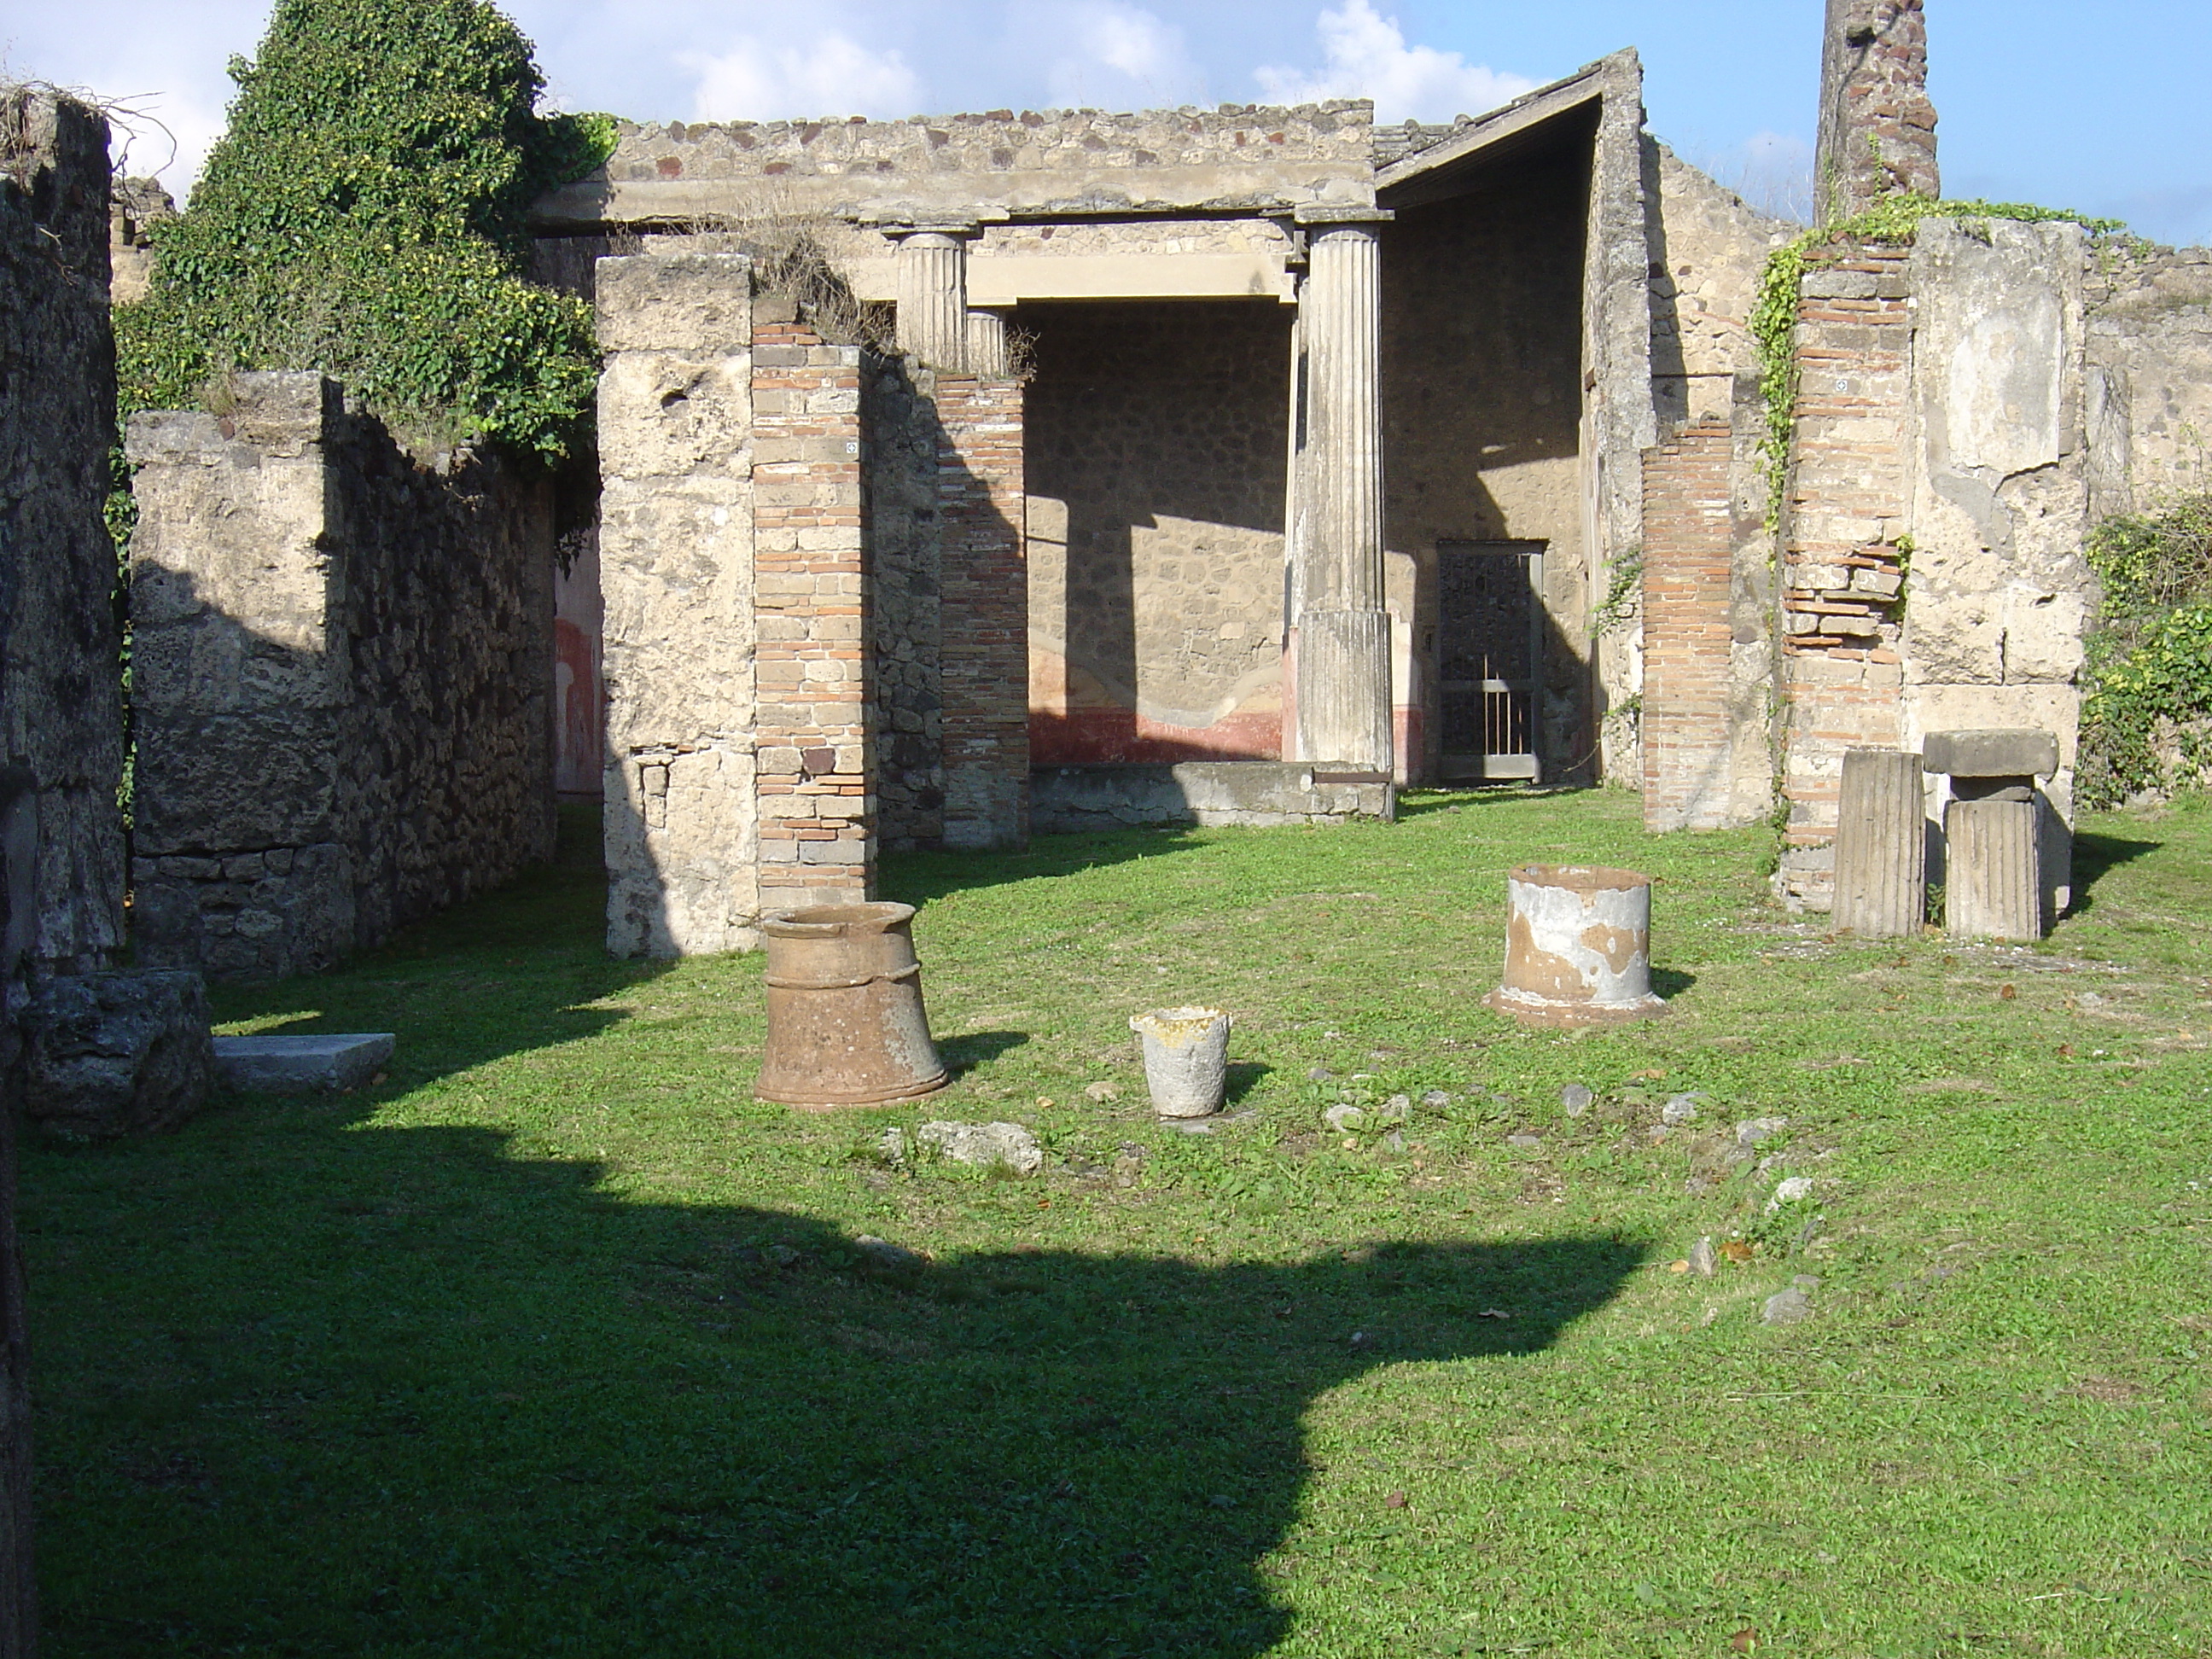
(1158,440)
(1056,160)
(1708,590)
(60,683)
(2149,366)
(1939,495)
(342,669)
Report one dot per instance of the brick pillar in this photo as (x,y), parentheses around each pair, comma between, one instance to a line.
(984,582)
(1841,673)
(1688,579)
(817,812)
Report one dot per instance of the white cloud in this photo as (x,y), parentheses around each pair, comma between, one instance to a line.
(1113,53)
(830,75)
(1132,40)
(1366,56)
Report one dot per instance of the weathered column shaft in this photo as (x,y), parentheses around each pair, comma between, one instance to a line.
(1993,885)
(1882,845)
(986,344)
(1876,126)
(1344,632)
(932,298)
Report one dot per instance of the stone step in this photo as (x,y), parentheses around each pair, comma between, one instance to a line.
(302,1065)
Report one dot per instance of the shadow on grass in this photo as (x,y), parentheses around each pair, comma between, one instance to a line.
(916,878)
(1426,799)
(963,1054)
(2095,857)
(309,1385)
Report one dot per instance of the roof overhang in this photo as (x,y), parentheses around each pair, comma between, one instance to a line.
(1565,110)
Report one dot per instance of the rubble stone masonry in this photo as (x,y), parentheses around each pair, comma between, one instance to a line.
(342,672)
(61,711)
(985,614)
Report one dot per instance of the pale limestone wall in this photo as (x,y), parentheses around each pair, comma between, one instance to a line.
(1157,438)
(1707,249)
(1056,160)
(676,574)
(2149,369)
(60,693)
(341,668)
(1998,596)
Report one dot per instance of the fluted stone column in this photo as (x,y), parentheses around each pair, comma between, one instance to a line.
(933,294)
(1344,632)
(987,343)
(1882,845)
(1993,885)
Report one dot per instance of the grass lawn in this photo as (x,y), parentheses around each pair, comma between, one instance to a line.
(557,1343)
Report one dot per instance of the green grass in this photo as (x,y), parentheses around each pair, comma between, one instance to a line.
(556,1343)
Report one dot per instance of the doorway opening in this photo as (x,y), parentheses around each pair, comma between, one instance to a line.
(1489,659)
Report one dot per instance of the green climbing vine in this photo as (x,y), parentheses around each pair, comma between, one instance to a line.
(1893,221)
(2147,706)
(365,214)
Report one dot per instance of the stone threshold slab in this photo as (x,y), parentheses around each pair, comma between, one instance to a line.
(302,1065)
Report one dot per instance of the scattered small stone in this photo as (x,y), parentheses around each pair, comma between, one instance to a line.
(1361,1339)
(780,1255)
(883,1254)
(892,1147)
(1807,1234)
(1682,1109)
(1396,1110)
(1524,1140)
(1320,1074)
(1576,1098)
(983,1145)
(1791,1306)
(1343,1118)
(1789,1192)
(1704,1261)
(1104,1093)
(1752,1130)
(1129,1164)
(1183,1126)
(1222,1500)
(1435,1100)
(1394,1142)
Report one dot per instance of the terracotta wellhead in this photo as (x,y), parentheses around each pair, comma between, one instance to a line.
(1577,947)
(845,1026)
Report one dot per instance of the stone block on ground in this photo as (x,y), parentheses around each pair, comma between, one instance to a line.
(304,1064)
(117,1054)
(984,1145)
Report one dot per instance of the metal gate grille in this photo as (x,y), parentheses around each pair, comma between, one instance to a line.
(1490,626)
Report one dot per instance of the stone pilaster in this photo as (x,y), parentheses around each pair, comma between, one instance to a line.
(817,806)
(1343,641)
(933,294)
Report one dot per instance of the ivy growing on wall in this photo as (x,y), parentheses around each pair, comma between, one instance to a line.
(364,216)
(2147,711)
(1893,222)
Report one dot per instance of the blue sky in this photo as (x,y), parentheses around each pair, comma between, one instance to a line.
(2104,108)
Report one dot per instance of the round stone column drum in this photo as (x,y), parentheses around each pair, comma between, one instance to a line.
(1577,947)
(845,1026)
